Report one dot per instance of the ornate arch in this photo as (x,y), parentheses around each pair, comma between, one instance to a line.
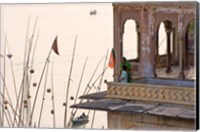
(124,22)
(187,20)
(161,17)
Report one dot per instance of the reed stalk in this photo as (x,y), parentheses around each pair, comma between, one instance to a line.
(43,97)
(52,97)
(68,85)
(38,87)
(77,93)
(88,84)
(99,87)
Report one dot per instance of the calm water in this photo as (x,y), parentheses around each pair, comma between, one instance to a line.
(95,38)
(65,20)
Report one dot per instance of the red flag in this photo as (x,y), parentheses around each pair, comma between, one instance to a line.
(55,46)
(111,63)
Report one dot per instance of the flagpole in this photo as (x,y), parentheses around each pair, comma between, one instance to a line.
(3,96)
(43,97)
(89,83)
(92,76)
(76,96)
(13,74)
(4,66)
(9,103)
(28,81)
(34,102)
(5,89)
(99,86)
(96,80)
(101,75)
(20,91)
(52,97)
(1,108)
(31,68)
(24,66)
(66,102)
(80,81)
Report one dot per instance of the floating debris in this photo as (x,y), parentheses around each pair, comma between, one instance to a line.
(52,111)
(72,98)
(9,56)
(34,84)
(32,71)
(48,90)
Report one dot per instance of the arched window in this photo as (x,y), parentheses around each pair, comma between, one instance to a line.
(189,44)
(163,40)
(172,42)
(130,40)
(162,47)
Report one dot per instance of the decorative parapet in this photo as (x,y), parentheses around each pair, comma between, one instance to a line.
(151,92)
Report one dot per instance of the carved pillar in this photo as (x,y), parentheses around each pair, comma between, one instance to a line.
(181,59)
(176,48)
(186,51)
(157,59)
(138,42)
(117,42)
(174,45)
(181,40)
(168,69)
(157,49)
(146,45)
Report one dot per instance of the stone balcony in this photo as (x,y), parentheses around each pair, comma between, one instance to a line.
(154,90)
(146,103)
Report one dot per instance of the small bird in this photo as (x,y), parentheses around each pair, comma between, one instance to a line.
(93,12)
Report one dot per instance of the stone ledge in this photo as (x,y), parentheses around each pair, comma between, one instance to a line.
(151,92)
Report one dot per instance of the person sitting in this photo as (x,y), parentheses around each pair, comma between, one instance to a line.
(124,75)
(82,116)
(128,68)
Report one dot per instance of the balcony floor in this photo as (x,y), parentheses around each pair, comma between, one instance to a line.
(189,73)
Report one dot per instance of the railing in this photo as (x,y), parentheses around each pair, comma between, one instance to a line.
(152,92)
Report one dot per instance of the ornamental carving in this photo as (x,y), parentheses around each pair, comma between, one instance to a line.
(148,92)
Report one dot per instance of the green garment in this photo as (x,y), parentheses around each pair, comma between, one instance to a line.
(127,64)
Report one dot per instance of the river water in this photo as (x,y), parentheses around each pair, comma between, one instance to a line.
(94,40)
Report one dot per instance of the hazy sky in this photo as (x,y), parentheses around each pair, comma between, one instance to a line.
(95,39)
